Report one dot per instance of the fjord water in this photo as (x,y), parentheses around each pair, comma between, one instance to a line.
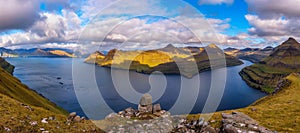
(52,77)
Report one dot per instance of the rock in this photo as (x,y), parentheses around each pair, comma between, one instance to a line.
(229,129)
(209,129)
(142,109)
(7,129)
(146,100)
(33,123)
(111,115)
(51,118)
(45,131)
(71,116)
(253,109)
(77,118)
(239,122)
(44,120)
(156,108)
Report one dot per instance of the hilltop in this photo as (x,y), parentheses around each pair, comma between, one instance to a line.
(168,60)
(266,74)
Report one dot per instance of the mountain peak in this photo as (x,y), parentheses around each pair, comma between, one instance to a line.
(291,40)
(212,46)
(170,46)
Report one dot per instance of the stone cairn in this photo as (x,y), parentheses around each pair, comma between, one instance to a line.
(146,110)
(149,118)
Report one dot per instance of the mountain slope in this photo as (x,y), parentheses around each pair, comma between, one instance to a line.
(12,87)
(267,73)
(168,60)
(22,109)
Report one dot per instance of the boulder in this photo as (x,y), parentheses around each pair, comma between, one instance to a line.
(71,116)
(156,108)
(142,109)
(77,118)
(146,100)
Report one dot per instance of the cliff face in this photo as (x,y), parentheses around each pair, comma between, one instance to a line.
(267,73)
(6,66)
(167,60)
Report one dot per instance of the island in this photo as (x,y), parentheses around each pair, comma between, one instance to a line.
(187,61)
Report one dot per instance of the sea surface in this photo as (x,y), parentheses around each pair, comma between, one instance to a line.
(95,91)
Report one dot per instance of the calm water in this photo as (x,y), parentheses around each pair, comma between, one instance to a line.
(52,77)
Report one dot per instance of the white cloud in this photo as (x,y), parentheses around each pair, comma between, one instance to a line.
(274,29)
(18,14)
(273,21)
(215,2)
(274,8)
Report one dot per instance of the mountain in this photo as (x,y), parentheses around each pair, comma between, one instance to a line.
(283,61)
(37,52)
(251,54)
(168,60)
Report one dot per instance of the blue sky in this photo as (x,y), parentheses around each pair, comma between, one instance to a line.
(88,23)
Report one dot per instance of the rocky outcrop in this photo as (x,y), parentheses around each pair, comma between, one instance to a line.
(6,66)
(237,122)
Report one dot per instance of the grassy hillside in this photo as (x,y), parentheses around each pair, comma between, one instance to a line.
(266,74)
(12,87)
(18,117)
(279,112)
(20,107)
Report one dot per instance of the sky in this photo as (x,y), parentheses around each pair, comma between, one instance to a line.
(146,24)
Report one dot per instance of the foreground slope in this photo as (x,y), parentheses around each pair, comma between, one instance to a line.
(22,109)
(266,74)
(187,61)
(278,112)
(12,87)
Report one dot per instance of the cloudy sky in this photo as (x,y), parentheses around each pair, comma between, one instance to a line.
(132,24)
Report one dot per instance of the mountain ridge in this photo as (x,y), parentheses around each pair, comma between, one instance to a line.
(165,60)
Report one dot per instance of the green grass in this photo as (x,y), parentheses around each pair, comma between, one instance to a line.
(13,88)
(279,112)
(263,77)
(17,118)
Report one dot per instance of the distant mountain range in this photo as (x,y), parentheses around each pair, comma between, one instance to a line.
(187,61)
(36,52)
(251,54)
(267,73)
